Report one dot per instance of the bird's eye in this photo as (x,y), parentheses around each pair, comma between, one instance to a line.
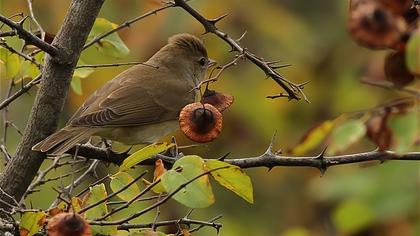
(203,62)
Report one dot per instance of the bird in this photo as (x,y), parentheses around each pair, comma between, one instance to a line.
(140,105)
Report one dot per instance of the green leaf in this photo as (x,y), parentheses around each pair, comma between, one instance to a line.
(83,72)
(405,130)
(345,135)
(296,231)
(31,222)
(97,193)
(232,178)
(12,62)
(197,194)
(313,137)
(112,45)
(119,181)
(352,216)
(144,154)
(412,55)
(76,85)
(158,188)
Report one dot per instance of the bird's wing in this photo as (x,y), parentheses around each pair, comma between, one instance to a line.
(131,102)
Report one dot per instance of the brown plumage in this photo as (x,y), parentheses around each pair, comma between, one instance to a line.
(141,104)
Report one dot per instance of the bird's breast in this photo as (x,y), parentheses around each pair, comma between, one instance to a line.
(143,134)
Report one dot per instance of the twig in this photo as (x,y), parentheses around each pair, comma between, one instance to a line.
(78,181)
(138,200)
(24,56)
(183,221)
(268,159)
(112,194)
(294,91)
(29,37)
(31,12)
(116,64)
(210,221)
(221,70)
(158,203)
(389,85)
(21,91)
(127,24)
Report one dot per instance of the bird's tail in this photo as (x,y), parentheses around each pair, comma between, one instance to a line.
(61,141)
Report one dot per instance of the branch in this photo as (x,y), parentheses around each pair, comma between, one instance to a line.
(24,56)
(294,91)
(51,96)
(29,37)
(158,203)
(21,91)
(31,12)
(268,159)
(116,65)
(127,24)
(182,221)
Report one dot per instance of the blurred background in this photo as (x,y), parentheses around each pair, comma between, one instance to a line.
(312,37)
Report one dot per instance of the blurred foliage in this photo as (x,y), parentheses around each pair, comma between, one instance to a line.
(310,35)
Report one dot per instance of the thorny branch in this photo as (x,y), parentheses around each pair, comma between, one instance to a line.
(182,221)
(25,88)
(269,159)
(294,91)
(29,37)
(24,56)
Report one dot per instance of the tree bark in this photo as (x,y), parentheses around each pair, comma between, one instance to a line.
(51,96)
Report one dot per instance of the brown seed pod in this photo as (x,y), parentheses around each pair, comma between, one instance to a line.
(200,122)
(219,100)
(398,7)
(374,26)
(68,224)
(396,70)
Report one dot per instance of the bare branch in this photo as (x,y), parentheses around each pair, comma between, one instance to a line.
(127,24)
(182,221)
(158,203)
(31,12)
(21,91)
(29,37)
(389,85)
(112,194)
(267,159)
(116,65)
(293,90)
(24,56)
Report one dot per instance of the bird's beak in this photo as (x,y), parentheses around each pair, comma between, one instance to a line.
(211,63)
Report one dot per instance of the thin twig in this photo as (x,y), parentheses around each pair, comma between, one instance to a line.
(389,85)
(294,91)
(112,194)
(183,221)
(76,183)
(24,56)
(29,37)
(116,64)
(127,24)
(31,12)
(151,207)
(21,91)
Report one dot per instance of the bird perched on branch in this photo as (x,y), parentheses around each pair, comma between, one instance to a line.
(141,104)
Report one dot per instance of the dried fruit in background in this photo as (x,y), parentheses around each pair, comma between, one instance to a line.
(373,25)
(200,122)
(219,100)
(379,132)
(396,70)
(68,224)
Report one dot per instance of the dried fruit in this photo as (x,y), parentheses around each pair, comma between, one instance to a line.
(68,224)
(396,70)
(200,122)
(219,100)
(373,25)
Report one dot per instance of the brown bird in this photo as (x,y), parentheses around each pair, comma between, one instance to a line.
(141,104)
